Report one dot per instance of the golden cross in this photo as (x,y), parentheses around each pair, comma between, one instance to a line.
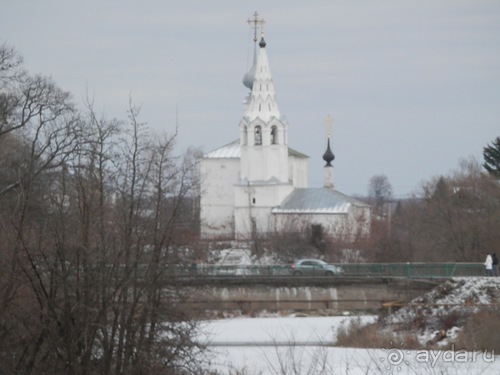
(256,23)
(328,125)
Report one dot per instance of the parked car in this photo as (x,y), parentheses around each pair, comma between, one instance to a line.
(314,267)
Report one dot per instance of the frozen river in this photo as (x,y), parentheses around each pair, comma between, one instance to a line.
(301,345)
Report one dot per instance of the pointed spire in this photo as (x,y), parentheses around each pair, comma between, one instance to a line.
(249,77)
(261,102)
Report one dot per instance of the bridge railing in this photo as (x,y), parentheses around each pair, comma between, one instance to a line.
(412,270)
(243,270)
(415,270)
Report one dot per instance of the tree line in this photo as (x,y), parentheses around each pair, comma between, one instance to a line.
(453,218)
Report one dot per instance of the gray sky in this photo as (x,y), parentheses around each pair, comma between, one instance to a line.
(413,86)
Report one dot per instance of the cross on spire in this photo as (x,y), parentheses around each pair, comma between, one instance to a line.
(328,125)
(256,23)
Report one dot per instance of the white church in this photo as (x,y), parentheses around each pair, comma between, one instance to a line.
(257,184)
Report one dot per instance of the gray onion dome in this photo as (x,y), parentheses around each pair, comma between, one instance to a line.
(249,77)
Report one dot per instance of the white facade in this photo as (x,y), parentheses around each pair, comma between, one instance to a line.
(231,206)
(219,170)
(253,205)
(297,168)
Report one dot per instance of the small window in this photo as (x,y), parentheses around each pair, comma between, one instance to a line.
(258,135)
(253,200)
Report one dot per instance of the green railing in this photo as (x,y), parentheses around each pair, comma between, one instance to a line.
(253,270)
(412,270)
(415,270)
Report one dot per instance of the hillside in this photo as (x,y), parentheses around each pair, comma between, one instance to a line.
(442,316)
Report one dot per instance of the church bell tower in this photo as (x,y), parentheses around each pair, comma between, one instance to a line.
(263,132)
(264,166)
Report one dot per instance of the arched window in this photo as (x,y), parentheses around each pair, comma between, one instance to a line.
(274,135)
(258,135)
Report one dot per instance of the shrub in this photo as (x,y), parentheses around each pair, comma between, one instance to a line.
(357,335)
(481,332)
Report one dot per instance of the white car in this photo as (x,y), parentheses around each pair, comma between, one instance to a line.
(314,267)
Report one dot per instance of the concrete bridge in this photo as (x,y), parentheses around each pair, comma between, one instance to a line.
(287,293)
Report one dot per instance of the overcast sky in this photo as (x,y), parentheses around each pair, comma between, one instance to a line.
(413,86)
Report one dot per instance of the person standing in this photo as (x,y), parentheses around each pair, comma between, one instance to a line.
(488,263)
(495,264)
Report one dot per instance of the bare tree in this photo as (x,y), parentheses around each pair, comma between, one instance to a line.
(379,190)
(10,65)
(46,122)
(38,131)
(11,74)
(89,233)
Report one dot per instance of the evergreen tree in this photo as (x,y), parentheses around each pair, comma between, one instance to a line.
(491,154)
(442,190)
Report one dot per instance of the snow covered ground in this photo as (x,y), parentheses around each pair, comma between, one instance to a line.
(277,330)
(460,296)
(300,345)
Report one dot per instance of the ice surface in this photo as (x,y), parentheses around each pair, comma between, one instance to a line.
(254,345)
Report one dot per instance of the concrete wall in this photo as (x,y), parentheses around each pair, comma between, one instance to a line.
(345,296)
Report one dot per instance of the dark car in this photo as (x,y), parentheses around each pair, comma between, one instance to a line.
(314,267)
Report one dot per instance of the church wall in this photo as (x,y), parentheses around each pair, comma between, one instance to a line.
(298,168)
(265,162)
(218,176)
(253,204)
(277,156)
(261,195)
(246,219)
(341,225)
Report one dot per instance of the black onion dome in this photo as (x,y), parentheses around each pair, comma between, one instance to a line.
(328,156)
(262,43)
